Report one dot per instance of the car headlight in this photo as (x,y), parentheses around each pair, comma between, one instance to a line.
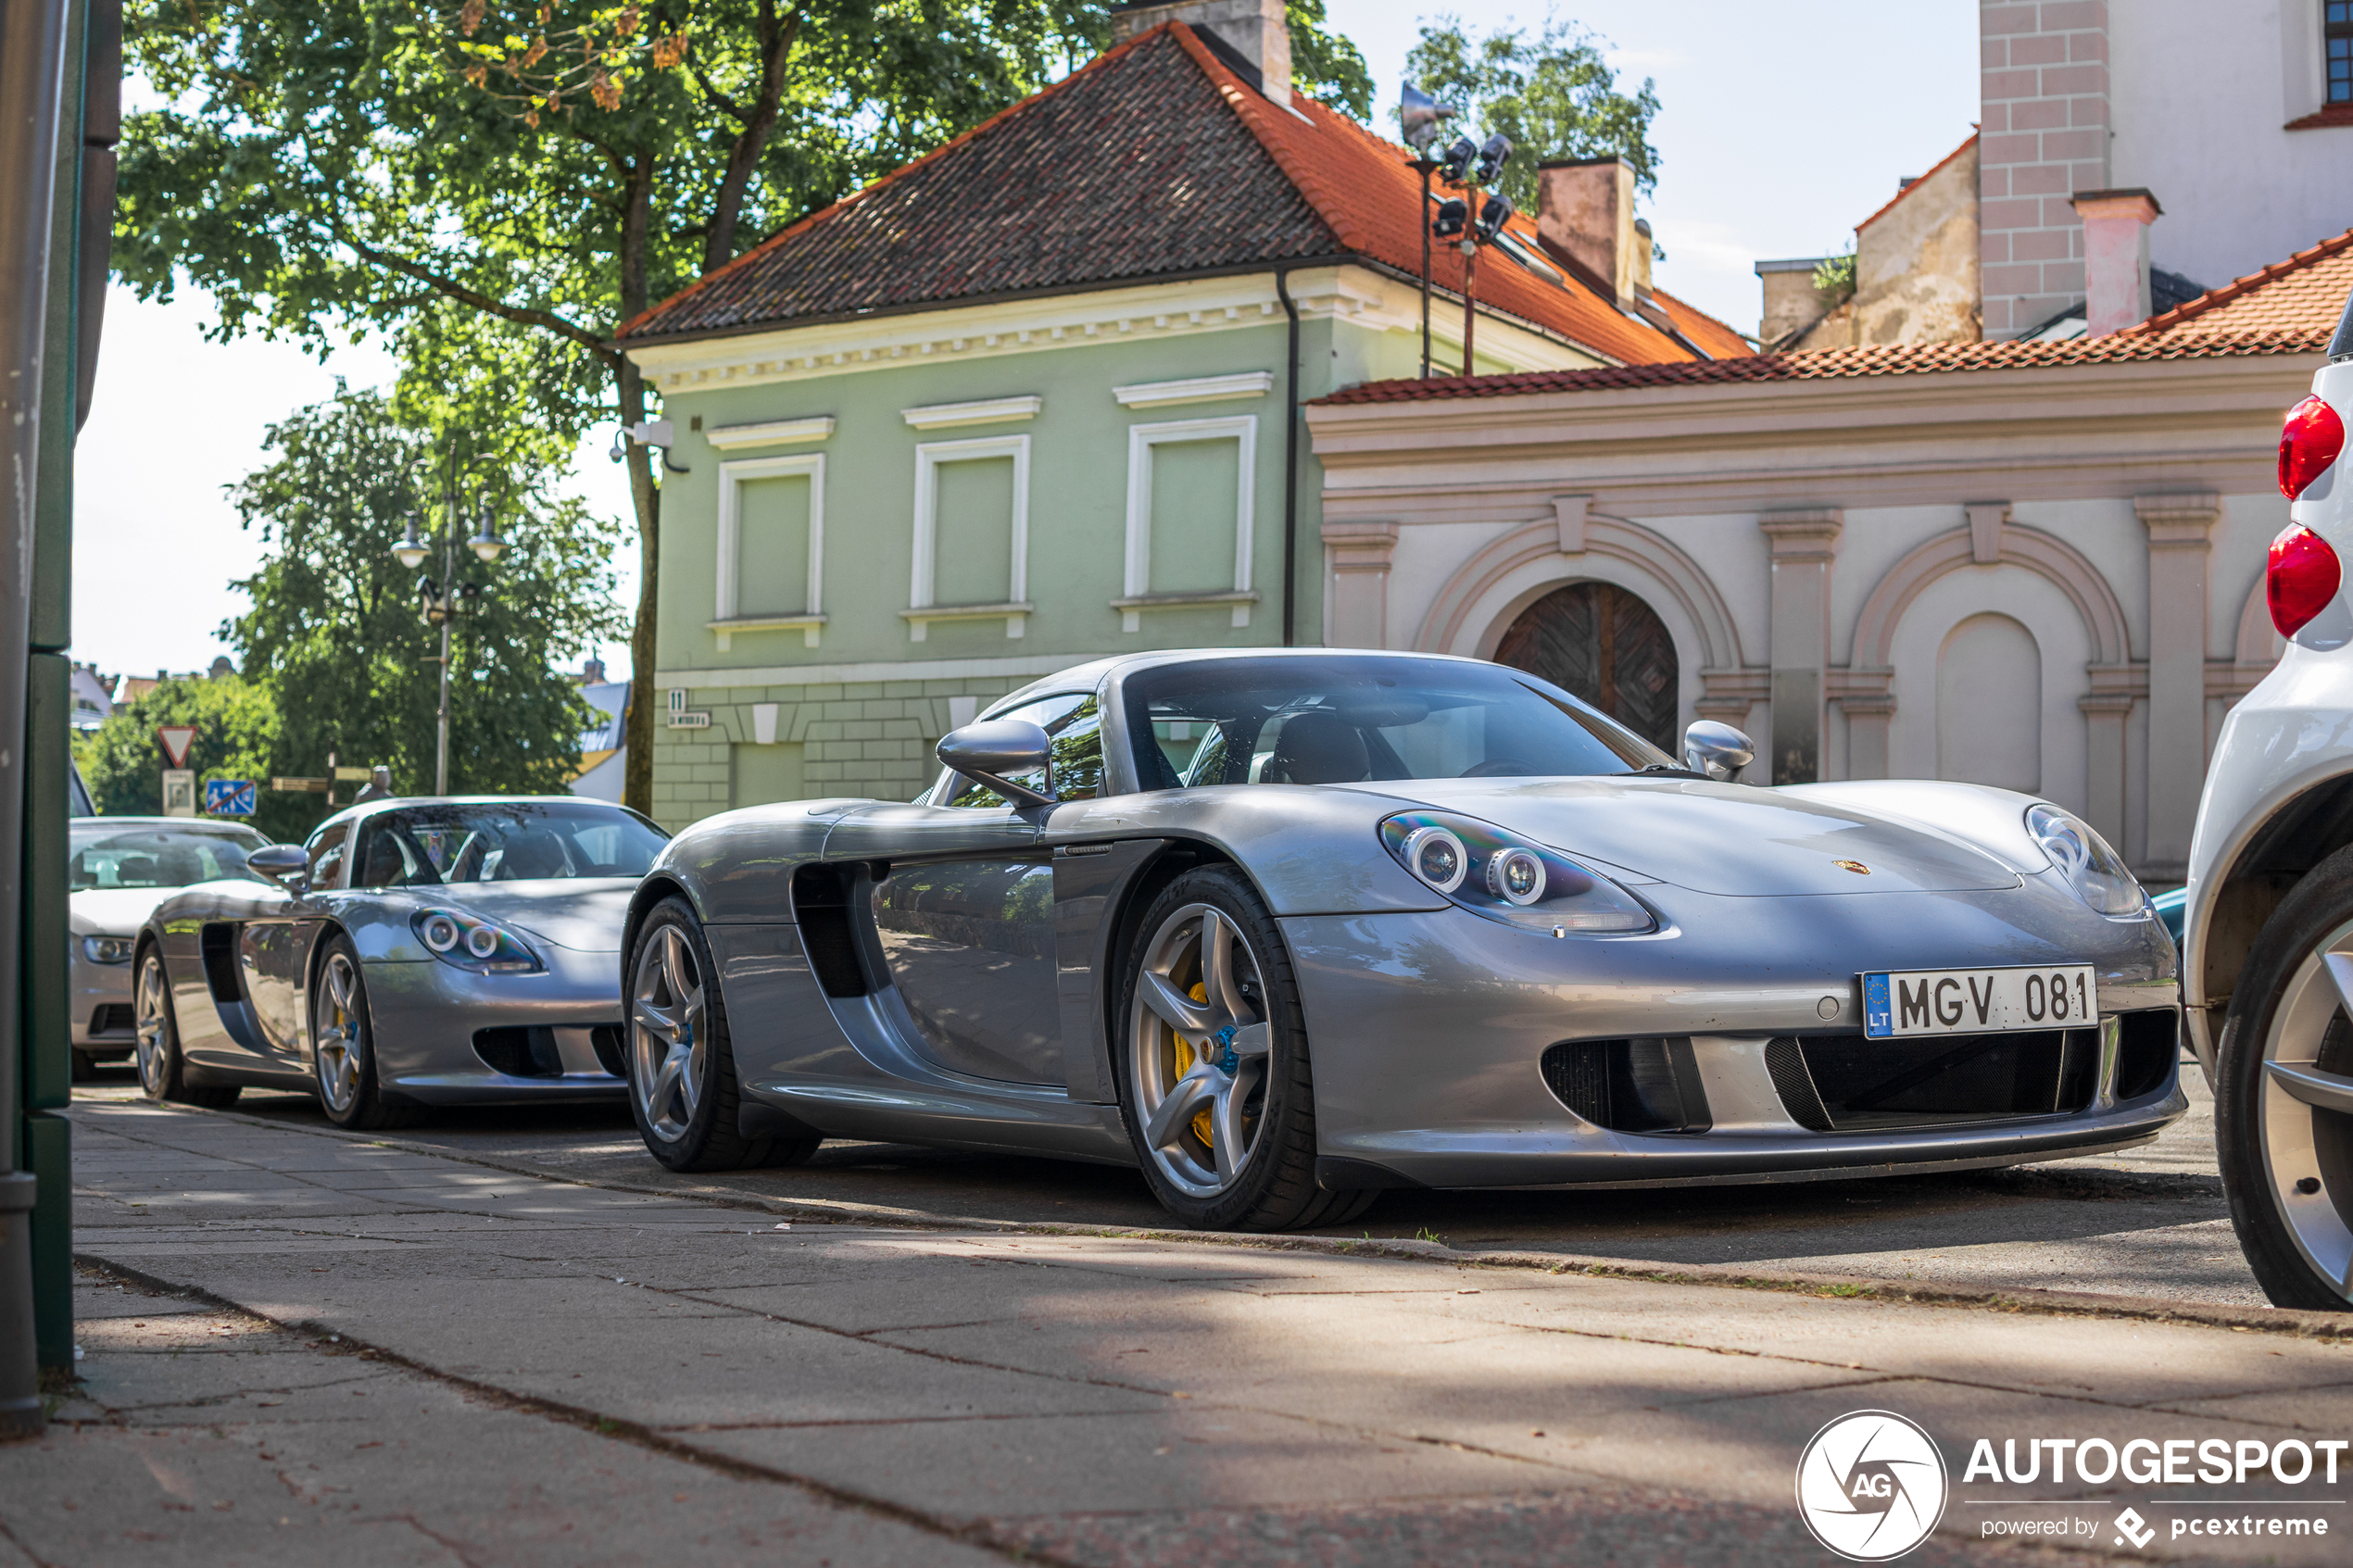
(2094,870)
(1506,878)
(108,950)
(472,943)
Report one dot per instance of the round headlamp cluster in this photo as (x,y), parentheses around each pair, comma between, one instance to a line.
(472,943)
(1504,877)
(2096,871)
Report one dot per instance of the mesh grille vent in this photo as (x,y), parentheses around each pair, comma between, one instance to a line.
(1786,1062)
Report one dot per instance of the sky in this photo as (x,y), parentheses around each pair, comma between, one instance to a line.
(1779,128)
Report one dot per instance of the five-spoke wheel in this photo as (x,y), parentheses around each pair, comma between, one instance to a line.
(682,1070)
(342,1046)
(162,1073)
(1213,1079)
(2283,1096)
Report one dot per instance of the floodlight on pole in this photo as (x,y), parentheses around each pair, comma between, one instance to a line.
(1419,113)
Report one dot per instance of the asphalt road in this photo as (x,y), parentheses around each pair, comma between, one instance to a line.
(2147,1222)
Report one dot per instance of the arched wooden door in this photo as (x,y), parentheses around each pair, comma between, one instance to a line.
(1606,646)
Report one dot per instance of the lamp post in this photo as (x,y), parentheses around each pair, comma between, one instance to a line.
(444,599)
(1419,113)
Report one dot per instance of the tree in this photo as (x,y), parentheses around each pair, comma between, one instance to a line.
(1324,65)
(543,169)
(236,738)
(1551,93)
(334,632)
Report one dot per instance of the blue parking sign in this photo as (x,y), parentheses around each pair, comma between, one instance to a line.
(228,797)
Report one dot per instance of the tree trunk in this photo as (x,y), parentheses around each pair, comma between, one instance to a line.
(637,726)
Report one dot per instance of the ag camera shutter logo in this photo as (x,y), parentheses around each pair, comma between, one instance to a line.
(1871,1485)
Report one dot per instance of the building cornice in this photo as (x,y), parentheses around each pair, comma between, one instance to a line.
(1365,294)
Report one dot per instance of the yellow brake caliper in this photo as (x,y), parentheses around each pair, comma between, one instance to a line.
(1200,1118)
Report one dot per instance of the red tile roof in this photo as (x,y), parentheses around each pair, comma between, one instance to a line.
(2291,307)
(1154,160)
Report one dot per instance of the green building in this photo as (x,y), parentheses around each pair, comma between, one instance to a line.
(1033,399)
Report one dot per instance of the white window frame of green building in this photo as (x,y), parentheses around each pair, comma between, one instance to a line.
(922,609)
(1136,594)
(726,621)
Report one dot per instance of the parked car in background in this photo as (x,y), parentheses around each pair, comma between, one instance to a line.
(2267,965)
(120,870)
(412,953)
(1284,928)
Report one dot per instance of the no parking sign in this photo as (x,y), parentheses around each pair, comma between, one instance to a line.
(228,797)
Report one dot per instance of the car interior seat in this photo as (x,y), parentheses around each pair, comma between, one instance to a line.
(1317,747)
(135,870)
(533,854)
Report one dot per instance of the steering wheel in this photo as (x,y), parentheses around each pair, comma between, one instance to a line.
(1499,768)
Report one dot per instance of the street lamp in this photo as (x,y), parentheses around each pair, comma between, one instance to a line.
(441,600)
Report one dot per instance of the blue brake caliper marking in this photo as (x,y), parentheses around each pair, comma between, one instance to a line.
(1232,1059)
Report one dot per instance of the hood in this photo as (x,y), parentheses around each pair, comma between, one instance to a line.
(113,911)
(1732,839)
(584,914)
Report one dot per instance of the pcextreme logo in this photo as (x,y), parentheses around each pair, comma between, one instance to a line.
(1871,1485)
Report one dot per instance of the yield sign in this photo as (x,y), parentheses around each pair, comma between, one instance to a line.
(176,739)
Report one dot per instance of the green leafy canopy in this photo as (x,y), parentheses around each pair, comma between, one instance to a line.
(1551,91)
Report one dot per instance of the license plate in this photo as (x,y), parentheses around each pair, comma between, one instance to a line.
(1976,1001)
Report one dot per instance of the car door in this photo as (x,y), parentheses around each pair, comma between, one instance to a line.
(963,910)
(273,954)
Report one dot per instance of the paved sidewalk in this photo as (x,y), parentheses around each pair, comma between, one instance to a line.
(672,1376)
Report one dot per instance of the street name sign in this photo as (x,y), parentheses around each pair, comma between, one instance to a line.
(304,786)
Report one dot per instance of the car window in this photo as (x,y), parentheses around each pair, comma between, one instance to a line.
(502,841)
(326,850)
(153,857)
(1351,719)
(1075,727)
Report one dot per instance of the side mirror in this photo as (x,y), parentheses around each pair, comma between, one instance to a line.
(281,863)
(994,749)
(1717,750)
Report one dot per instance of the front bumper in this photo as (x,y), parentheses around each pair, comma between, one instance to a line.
(427,1014)
(103,1024)
(1428,1031)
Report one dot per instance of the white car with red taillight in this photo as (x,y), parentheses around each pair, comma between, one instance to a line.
(2267,948)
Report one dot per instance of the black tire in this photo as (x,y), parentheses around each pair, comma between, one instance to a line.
(343,1046)
(2268,1151)
(1274,1188)
(683,1090)
(163,1071)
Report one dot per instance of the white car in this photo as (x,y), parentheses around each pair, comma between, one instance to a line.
(2267,960)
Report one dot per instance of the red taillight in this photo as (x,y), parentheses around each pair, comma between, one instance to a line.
(2302,578)
(2308,443)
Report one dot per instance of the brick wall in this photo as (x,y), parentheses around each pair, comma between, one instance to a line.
(870,739)
(2044,100)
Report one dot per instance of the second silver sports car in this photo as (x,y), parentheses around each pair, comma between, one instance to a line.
(412,953)
(1283,929)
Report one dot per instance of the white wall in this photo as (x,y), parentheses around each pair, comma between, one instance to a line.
(2199,93)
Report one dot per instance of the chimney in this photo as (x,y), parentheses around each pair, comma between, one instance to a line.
(1642,243)
(592,673)
(1585,213)
(2116,257)
(1250,35)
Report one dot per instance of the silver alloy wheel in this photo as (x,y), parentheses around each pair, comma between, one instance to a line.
(154,1017)
(1199,1062)
(334,1034)
(666,1034)
(2305,1106)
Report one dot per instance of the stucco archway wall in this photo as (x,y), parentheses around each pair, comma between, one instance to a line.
(1487,593)
(2032,602)
(2078,623)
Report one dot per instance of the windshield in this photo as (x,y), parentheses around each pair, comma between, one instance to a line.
(157,856)
(502,841)
(1345,720)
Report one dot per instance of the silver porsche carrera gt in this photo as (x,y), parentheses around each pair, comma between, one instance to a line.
(412,953)
(1286,928)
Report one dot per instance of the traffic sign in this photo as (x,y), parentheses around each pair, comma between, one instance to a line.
(305,786)
(176,739)
(179,792)
(228,797)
